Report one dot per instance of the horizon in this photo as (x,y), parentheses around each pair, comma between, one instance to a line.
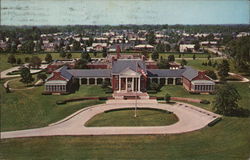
(124,12)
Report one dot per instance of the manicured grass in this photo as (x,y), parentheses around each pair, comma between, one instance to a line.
(145,117)
(186,55)
(197,64)
(229,139)
(179,91)
(17,84)
(29,109)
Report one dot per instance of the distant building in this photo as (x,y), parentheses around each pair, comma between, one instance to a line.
(197,82)
(186,48)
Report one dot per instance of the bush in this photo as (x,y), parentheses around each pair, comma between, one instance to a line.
(60,102)
(204,101)
(151,91)
(214,122)
(108,90)
(159,98)
(103,98)
(167,97)
(154,86)
(46,93)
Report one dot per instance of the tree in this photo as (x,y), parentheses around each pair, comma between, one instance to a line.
(41,76)
(69,55)
(155,56)
(171,58)
(197,46)
(12,59)
(194,57)
(62,54)
(183,62)
(26,76)
(209,63)
(27,59)
(19,61)
(104,52)
(211,74)
(151,38)
(223,69)
(48,58)
(167,97)
(154,86)
(81,64)
(76,46)
(239,50)
(86,56)
(208,57)
(163,64)
(35,62)
(226,100)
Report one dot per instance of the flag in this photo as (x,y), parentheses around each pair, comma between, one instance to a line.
(141,71)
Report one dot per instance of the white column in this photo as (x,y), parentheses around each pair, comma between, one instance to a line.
(80,81)
(166,81)
(139,86)
(119,83)
(133,84)
(126,84)
(87,81)
(174,81)
(95,81)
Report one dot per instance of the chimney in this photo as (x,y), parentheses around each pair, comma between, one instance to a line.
(118,51)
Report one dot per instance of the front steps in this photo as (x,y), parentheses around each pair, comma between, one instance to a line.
(131,101)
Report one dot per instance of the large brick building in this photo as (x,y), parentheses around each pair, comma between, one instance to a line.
(129,75)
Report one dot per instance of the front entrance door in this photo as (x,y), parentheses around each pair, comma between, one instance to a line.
(129,86)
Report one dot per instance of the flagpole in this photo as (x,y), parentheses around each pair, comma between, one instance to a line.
(136,90)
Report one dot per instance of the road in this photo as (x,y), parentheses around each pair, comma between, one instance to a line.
(191,118)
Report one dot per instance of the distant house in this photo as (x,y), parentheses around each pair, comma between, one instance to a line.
(99,46)
(197,82)
(144,47)
(186,48)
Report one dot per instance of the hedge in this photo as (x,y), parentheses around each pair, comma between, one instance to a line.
(214,122)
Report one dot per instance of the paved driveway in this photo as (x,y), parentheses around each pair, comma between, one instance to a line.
(190,119)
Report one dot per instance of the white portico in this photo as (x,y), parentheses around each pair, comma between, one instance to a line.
(129,81)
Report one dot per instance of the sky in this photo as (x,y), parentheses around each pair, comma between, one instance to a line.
(116,12)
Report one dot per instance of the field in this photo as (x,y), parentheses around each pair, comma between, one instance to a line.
(179,91)
(229,139)
(4,57)
(145,117)
(29,109)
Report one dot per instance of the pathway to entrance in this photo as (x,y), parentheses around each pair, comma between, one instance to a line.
(191,118)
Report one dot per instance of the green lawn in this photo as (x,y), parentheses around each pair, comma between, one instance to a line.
(29,109)
(145,117)
(179,91)
(197,64)
(17,84)
(229,139)
(186,55)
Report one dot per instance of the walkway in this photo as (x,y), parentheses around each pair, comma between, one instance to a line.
(191,118)
(4,74)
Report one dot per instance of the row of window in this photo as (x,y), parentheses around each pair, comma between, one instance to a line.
(54,88)
(204,87)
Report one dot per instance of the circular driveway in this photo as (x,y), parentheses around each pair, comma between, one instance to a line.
(191,118)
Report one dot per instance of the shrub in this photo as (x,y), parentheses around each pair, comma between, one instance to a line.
(167,97)
(204,101)
(60,102)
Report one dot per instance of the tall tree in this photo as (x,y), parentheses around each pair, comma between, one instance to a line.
(62,54)
(12,59)
(81,64)
(171,58)
(155,55)
(151,38)
(69,56)
(26,76)
(226,100)
(223,69)
(35,62)
(48,58)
